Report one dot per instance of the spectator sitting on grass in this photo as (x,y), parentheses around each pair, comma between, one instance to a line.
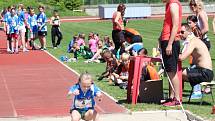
(120,76)
(108,43)
(70,48)
(111,66)
(92,43)
(96,37)
(78,47)
(81,40)
(97,57)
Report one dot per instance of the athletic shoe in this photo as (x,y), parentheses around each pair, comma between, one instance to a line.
(172,103)
(34,48)
(25,50)
(123,85)
(43,48)
(8,50)
(11,52)
(72,60)
(166,100)
(16,51)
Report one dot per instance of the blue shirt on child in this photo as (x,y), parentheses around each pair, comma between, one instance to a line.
(41,21)
(12,21)
(6,15)
(85,100)
(21,17)
(32,21)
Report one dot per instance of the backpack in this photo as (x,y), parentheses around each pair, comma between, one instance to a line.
(149,73)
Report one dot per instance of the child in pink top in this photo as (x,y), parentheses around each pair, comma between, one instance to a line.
(92,43)
(96,37)
(80,40)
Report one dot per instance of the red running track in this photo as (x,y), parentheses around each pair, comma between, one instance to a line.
(35,84)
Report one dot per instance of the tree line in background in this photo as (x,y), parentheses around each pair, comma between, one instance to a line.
(61,4)
(65,7)
(68,7)
(76,4)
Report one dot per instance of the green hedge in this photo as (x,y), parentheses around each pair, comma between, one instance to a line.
(64,7)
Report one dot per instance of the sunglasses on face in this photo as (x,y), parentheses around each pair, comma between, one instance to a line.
(182,32)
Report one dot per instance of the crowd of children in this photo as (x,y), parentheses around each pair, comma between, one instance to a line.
(22,24)
(97,50)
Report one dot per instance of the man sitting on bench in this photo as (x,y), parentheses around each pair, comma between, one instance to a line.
(203,71)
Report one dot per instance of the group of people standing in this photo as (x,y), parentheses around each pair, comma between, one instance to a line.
(196,46)
(23,24)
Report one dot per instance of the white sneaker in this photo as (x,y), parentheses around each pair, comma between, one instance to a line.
(72,60)
(25,50)
(88,61)
(8,50)
(16,51)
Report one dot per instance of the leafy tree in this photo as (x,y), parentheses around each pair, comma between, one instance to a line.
(73,4)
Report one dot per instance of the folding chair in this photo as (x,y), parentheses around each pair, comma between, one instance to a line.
(204,85)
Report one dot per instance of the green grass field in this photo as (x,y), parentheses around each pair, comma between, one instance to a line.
(150,29)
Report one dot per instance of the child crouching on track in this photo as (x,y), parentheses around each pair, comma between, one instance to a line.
(83,102)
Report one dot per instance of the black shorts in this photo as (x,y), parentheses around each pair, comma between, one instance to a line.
(118,37)
(42,33)
(170,61)
(198,75)
(137,39)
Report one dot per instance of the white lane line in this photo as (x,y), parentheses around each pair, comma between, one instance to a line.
(9,95)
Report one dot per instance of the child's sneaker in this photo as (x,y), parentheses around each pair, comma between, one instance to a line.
(88,61)
(72,60)
(34,48)
(123,85)
(25,50)
(43,48)
(16,51)
(172,103)
(8,50)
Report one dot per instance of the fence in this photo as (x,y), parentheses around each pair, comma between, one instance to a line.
(97,2)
